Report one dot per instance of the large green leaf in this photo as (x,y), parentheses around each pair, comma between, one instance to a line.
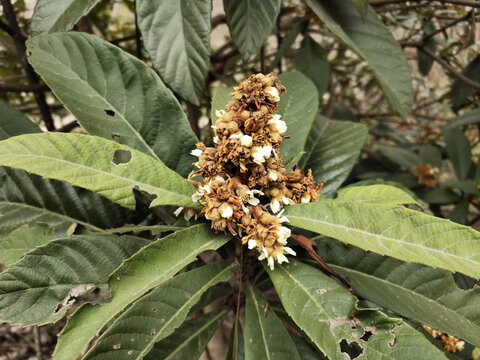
(158,314)
(312,61)
(379,194)
(87,161)
(250,22)
(21,240)
(297,107)
(190,340)
(28,199)
(115,96)
(394,231)
(429,296)
(176,34)
(329,316)
(370,38)
(461,91)
(265,336)
(459,151)
(152,266)
(332,149)
(400,156)
(13,122)
(59,15)
(40,287)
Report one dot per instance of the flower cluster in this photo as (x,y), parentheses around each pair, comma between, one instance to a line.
(244,169)
(449,343)
(427,175)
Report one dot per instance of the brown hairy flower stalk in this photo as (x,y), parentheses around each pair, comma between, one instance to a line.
(244,169)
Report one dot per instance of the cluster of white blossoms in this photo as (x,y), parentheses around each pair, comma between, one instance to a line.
(244,169)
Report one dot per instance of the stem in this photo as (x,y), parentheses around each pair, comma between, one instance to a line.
(38,344)
(23,88)
(32,77)
(138,36)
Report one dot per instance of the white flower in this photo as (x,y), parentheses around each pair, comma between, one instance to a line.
(261,153)
(219,113)
(272,176)
(305,199)
(178,211)
(271,262)
(246,140)
(252,244)
(281,258)
(275,206)
(227,212)
(197,196)
(253,201)
(273,92)
(279,124)
(289,251)
(236,136)
(196,152)
(283,234)
(259,192)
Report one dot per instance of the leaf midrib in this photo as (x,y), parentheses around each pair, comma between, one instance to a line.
(262,330)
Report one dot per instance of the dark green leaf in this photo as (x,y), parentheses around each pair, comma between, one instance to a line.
(115,96)
(471,117)
(265,336)
(440,196)
(331,151)
(461,91)
(235,350)
(425,62)
(158,314)
(190,340)
(400,156)
(430,155)
(154,229)
(219,101)
(459,214)
(177,36)
(372,41)
(362,7)
(459,151)
(415,291)
(312,61)
(13,122)
(297,107)
(327,313)
(40,287)
(250,22)
(59,15)
(150,267)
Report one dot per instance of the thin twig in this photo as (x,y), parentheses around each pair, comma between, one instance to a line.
(32,78)
(38,344)
(17,88)
(138,37)
(69,127)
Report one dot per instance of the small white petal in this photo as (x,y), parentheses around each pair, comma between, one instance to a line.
(273,92)
(236,136)
(262,256)
(264,251)
(255,191)
(219,113)
(197,165)
(196,152)
(272,176)
(245,209)
(215,139)
(267,152)
(206,188)
(213,126)
(219,178)
(189,214)
(271,262)
(178,211)
(253,201)
(287,201)
(306,199)
(289,251)
(283,219)
(252,244)
(246,140)
(282,258)
(242,166)
(275,205)
(197,196)
(227,212)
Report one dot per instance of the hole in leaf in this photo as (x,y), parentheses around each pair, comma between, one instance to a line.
(110,112)
(366,336)
(121,157)
(352,348)
(114,136)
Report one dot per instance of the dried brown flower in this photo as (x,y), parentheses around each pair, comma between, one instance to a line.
(449,343)
(426,175)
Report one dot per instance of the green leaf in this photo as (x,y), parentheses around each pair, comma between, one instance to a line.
(373,42)
(220,100)
(332,149)
(235,350)
(115,96)
(21,240)
(362,7)
(154,229)
(459,151)
(429,296)
(460,212)
(376,194)
(41,286)
(297,107)
(440,196)
(430,155)
(329,316)
(467,186)
(190,340)
(394,231)
(59,15)
(425,62)
(265,336)
(86,161)
(460,92)
(400,156)
(312,61)
(250,22)
(471,117)
(152,266)
(13,122)
(176,34)
(158,314)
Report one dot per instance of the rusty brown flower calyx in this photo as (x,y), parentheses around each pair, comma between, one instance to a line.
(243,174)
